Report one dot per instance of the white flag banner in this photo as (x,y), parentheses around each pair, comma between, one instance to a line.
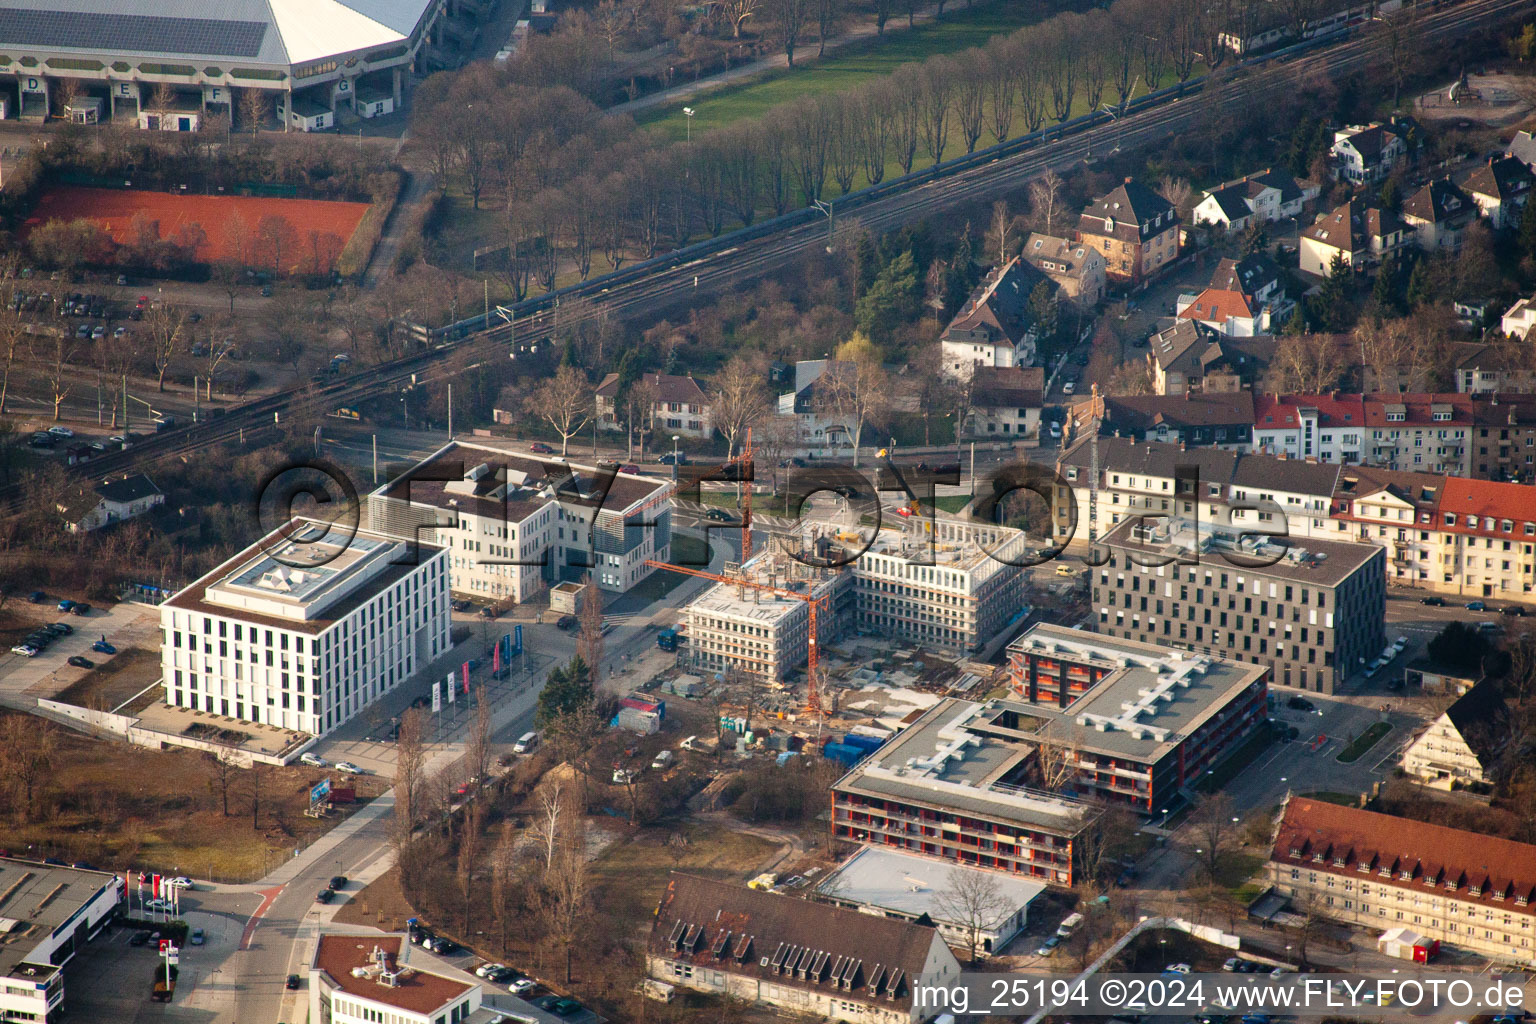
(437,698)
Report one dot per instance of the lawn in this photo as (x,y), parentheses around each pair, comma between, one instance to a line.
(848,69)
(119,806)
(1365,741)
(631,873)
(950,502)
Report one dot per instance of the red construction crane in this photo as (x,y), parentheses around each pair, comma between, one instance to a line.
(813,690)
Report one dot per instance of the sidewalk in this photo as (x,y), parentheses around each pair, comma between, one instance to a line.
(862,31)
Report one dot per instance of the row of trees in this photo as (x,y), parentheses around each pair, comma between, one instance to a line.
(576,187)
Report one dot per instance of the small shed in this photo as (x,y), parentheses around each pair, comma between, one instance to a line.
(1407,944)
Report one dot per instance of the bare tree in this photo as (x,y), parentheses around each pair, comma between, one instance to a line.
(163,331)
(27,750)
(54,355)
(477,744)
(1178,192)
(224,767)
(937,96)
(738,398)
(548,825)
(971,91)
(255,789)
(469,852)
(410,764)
(857,393)
(564,402)
(12,334)
(789,20)
(589,644)
(1212,826)
(503,882)
(736,13)
(255,106)
(567,895)
(828,13)
(1045,200)
(1002,231)
(973,900)
(1308,364)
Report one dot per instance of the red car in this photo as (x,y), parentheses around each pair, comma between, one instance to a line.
(630,468)
(540,448)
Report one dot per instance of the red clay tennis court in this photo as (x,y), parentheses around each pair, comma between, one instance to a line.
(114,209)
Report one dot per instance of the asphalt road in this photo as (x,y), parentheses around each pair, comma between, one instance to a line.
(671,286)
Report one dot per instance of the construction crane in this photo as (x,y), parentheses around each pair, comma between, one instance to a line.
(813,703)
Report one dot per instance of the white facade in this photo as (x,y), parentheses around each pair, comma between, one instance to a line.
(1440,757)
(1365,154)
(305,649)
(63,908)
(514,524)
(962,357)
(1521,318)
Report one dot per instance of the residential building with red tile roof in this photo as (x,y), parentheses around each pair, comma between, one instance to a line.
(1379,871)
(1329,428)
(680,405)
(1354,232)
(1439,214)
(1420,433)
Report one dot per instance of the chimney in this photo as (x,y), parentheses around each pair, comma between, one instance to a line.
(1129,179)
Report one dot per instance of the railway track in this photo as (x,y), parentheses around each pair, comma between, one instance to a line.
(709,268)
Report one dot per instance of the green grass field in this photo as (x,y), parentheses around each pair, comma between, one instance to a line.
(844,70)
(1365,741)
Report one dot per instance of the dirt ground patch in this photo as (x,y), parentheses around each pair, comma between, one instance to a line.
(114,680)
(631,873)
(1494,100)
(117,806)
(115,209)
(380,904)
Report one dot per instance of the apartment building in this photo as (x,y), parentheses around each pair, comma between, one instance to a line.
(1503,439)
(1398,512)
(1245,298)
(513,524)
(678,406)
(1463,745)
(732,626)
(306,627)
(1491,369)
(944,584)
(1133,722)
(1329,428)
(807,959)
(1219,419)
(1259,493)
(51,912)
(1420,433)
(1135,229)
(1311,612)
(365,979)
(1377,871)
(995,327)
(939,789)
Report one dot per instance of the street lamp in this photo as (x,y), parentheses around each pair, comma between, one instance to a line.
(688,112)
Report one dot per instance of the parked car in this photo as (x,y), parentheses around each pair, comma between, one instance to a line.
(66,604)
(567,622)
(79,662)
(163,906)
(80,608)
(313,760)
(25,650)
(1299,704)
(1476,606)
(1178,969)
(139,939)
(1048,947)
(338,882)
(540,448)
(292,982)
(485,969)
(719,515)
(1513,609)
(102,647)
(180,882)
(64,628)
(325,895)
(348,768)
(522,986)
(195,937)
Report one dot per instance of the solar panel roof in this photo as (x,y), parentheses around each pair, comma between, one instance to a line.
(92,30)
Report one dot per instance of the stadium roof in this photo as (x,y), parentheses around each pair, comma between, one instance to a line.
(283,32)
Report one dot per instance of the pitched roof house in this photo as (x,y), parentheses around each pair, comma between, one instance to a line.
(1463,745)
(1266,196)
(1523,148)
(995,326)
(1366,153)
(1190,356)
(1355,232)
(1135,229)
(1077,270)
(1500,188)
(1520,319)
(1006,401)
(111,501)
(1439,213)
(680,406)
(1328,427)
(1245,298)
(813,958)
(1215,419)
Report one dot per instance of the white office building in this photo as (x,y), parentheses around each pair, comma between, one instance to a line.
(50,913)
(368,979)
(305,628)
(514,524)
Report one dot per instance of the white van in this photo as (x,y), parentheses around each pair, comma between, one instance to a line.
(1069,925)
(662,761)
(527,743)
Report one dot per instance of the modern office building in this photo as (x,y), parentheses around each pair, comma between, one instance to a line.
(50,913)
(164,65)
(743,628)
(365,979)
(306,627)
(1129,722)
(514,524)
(1379,872)
(945,788)
(816,961)
(1311,611)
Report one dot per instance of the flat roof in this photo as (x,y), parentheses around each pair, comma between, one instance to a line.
(303,565)
(912,885)
(939,762)
(1152,699)
(749,604)
(1157,539)
(36,898)
(414,991)
(516,484)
